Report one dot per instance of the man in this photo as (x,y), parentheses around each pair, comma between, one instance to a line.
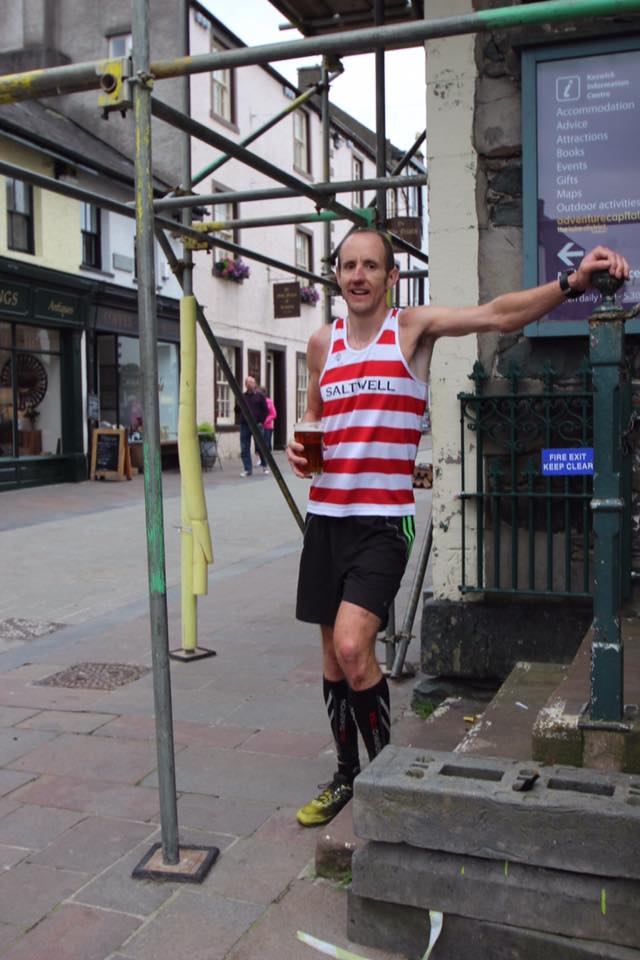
(258,406)
(367,382)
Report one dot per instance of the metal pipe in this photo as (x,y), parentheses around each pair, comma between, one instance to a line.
(381,120)
(326,176)
(404,637)
(220,161)
(164,112)
(151,443)
(78,193)
(235,387)
(87,76)
(212,226)
(279,193)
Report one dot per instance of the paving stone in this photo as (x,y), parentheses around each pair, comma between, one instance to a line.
(79,933)
(12,779)
(8,935)
(144,728)
(193,926)
(34,826)
(335,846)
(92,796)
(9,716)
(282,827)
(10,855)
(571,819)
(313,906)
(225,815)
(31,890)
(291,713)
(94,844)
(287,744)
(65,721)
(375,922)
(89,757)
(256,870)
(554,901)
(7,806)
(236,773)
(14,743)
(16,693)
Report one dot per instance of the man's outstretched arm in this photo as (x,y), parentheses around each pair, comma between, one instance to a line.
(512,311)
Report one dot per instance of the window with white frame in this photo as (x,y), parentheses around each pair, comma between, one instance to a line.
(222,89)
(392,203)
(90,228)
(20,233)
(357,173)
(225,211)
(304,250)
(301,145)
(302,383)
(119,45)
(224,405)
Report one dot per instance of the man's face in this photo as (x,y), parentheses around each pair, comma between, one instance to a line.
(362,273)
(250,384)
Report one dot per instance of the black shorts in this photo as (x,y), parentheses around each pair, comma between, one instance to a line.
(358,559)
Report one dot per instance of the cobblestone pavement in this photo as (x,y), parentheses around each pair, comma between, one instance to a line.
(79,802)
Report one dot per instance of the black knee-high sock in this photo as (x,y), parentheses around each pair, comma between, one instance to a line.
(371,710)
(343,727)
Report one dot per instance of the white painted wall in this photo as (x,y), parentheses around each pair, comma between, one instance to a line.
(453,250)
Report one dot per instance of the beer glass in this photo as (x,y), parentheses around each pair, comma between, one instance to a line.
(310,436)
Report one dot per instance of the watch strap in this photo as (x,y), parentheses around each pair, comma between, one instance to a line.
(566,287)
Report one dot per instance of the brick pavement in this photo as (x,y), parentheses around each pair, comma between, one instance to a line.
(78,787)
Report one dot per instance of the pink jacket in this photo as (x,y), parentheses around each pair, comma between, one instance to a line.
(271,416)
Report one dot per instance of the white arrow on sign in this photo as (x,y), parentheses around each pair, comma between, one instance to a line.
(567,254)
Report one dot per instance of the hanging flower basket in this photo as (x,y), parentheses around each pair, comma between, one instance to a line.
(309,295)
(230,269)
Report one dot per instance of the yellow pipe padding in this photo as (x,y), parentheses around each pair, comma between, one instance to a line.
(194,520)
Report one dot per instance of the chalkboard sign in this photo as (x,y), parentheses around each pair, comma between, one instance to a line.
(110,455)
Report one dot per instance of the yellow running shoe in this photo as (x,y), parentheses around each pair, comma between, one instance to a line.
(334,796)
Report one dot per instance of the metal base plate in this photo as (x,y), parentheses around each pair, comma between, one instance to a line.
(198,653)
(193,866)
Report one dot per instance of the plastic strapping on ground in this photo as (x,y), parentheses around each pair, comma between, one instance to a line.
(330,950)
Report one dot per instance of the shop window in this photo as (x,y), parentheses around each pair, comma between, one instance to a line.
(224,400)
(169,389)
(302,383)
(20,216)
(301,142)
(357,173)
(304,250)
(222,89)
(91,245)
(254,365)
(30,391)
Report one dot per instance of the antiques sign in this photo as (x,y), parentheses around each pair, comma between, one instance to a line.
(286,299)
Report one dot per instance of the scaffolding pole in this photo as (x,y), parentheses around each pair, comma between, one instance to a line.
(283,193)
(151,443)
(74,78)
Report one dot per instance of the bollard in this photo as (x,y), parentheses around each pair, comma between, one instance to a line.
(606,346)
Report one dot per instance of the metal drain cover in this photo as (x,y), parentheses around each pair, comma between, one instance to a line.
(95,676)
(18,628)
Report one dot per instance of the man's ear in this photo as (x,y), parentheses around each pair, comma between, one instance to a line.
(392,277)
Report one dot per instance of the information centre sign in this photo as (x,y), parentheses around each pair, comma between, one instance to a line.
(585,137)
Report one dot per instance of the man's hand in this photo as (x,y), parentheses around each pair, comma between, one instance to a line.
(600,258)
(297,462)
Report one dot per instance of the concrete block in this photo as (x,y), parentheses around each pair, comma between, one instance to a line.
(406,929)
(570,819)
(479,640)
(552,901)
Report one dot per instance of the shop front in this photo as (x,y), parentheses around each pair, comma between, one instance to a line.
(114,373)
(42,316)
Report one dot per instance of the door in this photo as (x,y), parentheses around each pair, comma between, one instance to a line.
(277,390)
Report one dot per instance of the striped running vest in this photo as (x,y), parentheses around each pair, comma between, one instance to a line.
(372,409)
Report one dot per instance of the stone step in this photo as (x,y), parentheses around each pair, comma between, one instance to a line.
(536,898)
(405,930)
(569,819)
(505,728)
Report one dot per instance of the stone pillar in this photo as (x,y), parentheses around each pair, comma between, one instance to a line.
(453,254)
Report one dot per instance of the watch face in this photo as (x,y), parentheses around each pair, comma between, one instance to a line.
(31,379)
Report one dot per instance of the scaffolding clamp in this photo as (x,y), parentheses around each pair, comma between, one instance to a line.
(115,84)
(192,243)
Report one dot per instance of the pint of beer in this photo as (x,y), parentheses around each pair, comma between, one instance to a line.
(310,436)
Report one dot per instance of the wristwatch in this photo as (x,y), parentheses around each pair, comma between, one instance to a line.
(566,287)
